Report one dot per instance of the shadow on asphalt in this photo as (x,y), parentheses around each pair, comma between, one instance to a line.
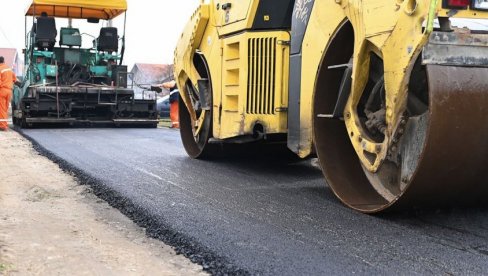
(444,213)
(275,159)
(462,227)
(256,152)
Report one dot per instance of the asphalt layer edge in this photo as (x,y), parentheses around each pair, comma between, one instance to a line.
(155,228)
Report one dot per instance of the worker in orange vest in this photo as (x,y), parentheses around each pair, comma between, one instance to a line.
(173,101)
(7,80)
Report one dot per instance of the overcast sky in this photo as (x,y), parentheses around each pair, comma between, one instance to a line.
(153,28)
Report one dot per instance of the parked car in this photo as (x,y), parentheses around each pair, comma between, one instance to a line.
(163,107)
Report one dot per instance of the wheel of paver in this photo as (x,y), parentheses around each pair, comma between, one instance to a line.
(14,119)
(17,122)
(438,156)
(23,123)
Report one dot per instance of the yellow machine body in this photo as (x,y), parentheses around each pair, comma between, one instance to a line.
(254,80)
(235,76)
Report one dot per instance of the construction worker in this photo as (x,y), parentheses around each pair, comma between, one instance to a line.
(174,95)
(7,80)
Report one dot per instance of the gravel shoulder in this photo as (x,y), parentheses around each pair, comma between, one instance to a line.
(49,224)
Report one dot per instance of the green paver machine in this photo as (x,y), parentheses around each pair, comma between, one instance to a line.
(71,84)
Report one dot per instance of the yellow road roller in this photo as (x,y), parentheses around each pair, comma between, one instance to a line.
(391,95)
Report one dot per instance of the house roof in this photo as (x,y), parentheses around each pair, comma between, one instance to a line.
(153,72)
(9,54)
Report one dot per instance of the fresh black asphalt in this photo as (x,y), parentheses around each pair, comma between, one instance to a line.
(257,213)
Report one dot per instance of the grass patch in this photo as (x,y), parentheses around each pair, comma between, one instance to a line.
(5,268)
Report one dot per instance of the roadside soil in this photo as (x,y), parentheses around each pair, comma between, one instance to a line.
(51,225)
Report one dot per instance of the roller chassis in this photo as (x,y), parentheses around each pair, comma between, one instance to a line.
(396,110)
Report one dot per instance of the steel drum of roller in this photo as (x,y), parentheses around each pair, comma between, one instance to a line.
(441,156)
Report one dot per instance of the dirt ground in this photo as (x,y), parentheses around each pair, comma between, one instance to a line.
(50,225)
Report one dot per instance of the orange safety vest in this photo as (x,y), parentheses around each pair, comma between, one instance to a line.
(7,77)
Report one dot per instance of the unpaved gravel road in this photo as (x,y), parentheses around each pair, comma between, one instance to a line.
(51,225)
